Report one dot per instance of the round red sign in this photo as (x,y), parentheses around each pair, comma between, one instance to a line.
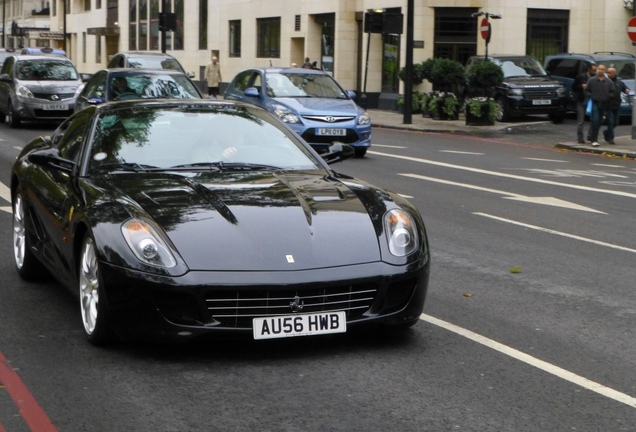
(631,29)
(484,27)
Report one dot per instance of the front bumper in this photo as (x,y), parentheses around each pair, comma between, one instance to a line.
(141,305)
(43,109)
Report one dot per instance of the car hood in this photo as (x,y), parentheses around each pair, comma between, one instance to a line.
(319,106)
(261,221)
(523,81)
(51,87)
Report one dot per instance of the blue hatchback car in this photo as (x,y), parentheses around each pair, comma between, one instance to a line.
(310,102)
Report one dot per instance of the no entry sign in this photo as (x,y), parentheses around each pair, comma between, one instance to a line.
(484,27)
(631,29)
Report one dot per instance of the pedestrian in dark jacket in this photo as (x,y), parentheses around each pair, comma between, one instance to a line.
(615,103)
(578,91)
(601,90)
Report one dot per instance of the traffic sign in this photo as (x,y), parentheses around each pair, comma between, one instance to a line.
(484,27)
(631,29)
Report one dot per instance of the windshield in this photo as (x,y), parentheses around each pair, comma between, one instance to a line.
(194,138)
(303,85)
(156,86)
(520,66)
(46,70)
(154,63)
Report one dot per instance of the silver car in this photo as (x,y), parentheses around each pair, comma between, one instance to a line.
(37,88)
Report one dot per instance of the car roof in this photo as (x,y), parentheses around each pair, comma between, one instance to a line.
(144,53)
(290,70)
(42,57)
(596,56)
(173,103)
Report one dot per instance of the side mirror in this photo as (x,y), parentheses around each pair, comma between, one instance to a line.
(50,157)
(252,92)
(5,78)
(94,100)
(338,152)
(86,76)
(352,94)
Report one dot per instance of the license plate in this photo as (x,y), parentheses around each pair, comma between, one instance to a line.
(299,325)
(331,132)
(55,107)
(542,102)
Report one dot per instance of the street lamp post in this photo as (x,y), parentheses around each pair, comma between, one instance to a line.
(487,16)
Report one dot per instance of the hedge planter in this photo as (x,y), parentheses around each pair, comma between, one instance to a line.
(484,119)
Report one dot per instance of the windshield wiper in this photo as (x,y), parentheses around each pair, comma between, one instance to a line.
(125,166)
(209,166)
(247,166)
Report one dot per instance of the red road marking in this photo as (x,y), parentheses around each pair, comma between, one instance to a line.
(30,410)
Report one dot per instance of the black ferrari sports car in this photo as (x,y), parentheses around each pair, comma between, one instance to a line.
(177,219)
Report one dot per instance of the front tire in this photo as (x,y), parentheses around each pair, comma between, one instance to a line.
(92,300)
(12,118)
(360,152)
(502,114)
(27,265)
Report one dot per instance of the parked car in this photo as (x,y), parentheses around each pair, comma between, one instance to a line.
(135,84)
(309,101)
(565,67)
(184,218)
(146,60)
(37,88)
(527,88)
(43,51)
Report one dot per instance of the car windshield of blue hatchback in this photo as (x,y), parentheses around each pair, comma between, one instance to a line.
(303,85)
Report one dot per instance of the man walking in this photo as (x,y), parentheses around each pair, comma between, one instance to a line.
(212,76)
(615,102)
(578,90)
(601,90)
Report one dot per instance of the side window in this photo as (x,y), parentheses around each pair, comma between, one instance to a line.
(95,88)
(70,144)
(7,67)
(242,80)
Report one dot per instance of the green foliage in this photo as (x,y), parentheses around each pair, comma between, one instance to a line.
(476,105)
(484,75)
(446,101)
(416,75)
(417,99)
(446,74)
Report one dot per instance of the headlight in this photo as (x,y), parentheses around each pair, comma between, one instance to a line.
(286,116)
(401,232)
(22,91)
(515,92)
(364,119)
(147,244)
(560,91)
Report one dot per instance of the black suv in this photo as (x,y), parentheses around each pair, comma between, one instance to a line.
(565,67)
(527,88)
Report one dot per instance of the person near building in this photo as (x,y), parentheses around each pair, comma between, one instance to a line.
(615,104)
(578,92)
(601,90)
(212,76)
(307,64)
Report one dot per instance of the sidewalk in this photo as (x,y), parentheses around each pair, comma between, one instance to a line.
(625,146)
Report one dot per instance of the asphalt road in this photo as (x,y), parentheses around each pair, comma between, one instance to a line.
(528,325)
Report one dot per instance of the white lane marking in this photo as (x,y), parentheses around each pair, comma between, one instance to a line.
(389,146)
(608,165)
(545,160)
(535,362)
(6,209)
(461,152)
(562,234)
(405,196)
(512,176)
(509,195)
(5,192)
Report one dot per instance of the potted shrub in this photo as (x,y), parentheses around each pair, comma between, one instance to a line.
(446,76)
(482,79)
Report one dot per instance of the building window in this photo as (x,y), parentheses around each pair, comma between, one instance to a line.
(84,47)
(547,32)
(455,33)
(268,37)
(87,5)
(98,4)
(203,24)
(98,49)
(235,38)
(132,30)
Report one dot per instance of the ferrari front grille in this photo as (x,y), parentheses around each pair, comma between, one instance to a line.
(237,308)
